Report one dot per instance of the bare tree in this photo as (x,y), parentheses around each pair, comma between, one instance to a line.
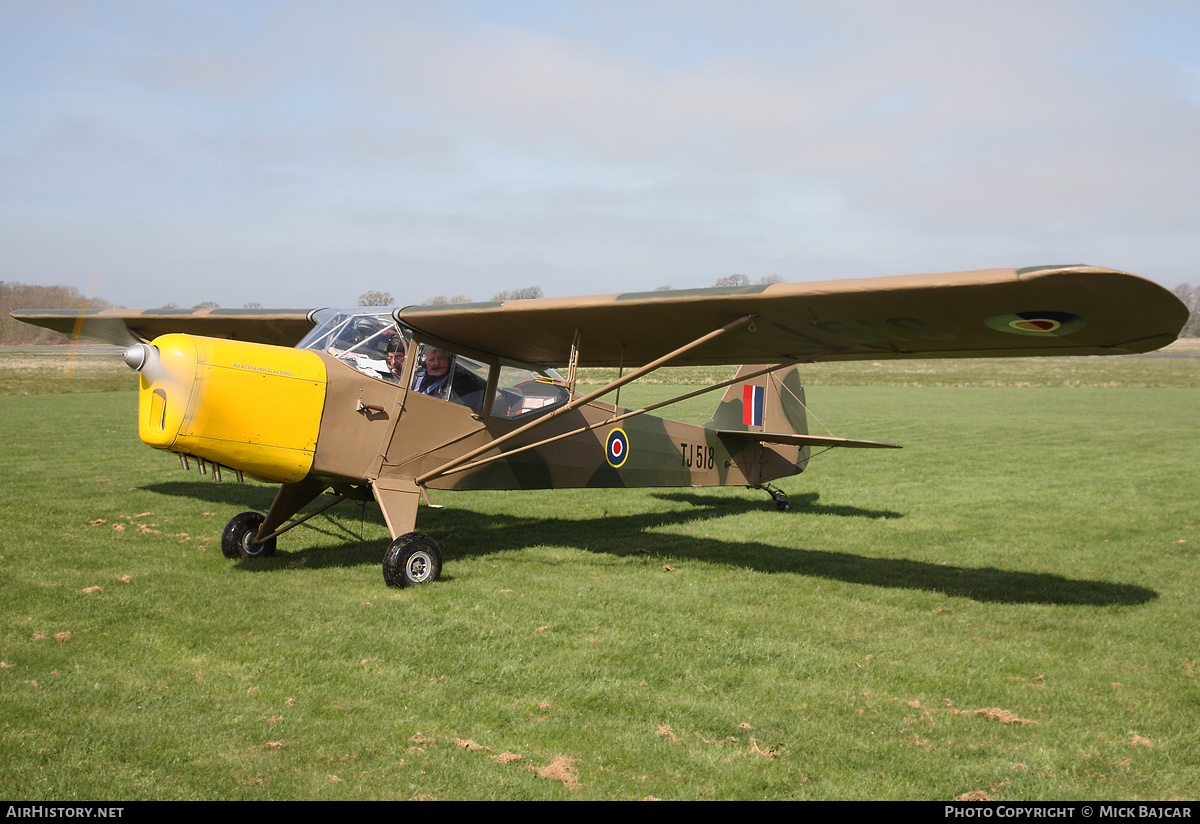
(733,280)
(442,299)
(1190,295)
(374,298)
(769,279)
(528,293)
(252,305)
(207,304)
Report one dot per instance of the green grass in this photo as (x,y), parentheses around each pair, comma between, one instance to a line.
(1032,552)
(38,370)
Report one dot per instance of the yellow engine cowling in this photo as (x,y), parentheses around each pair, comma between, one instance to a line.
(246,406)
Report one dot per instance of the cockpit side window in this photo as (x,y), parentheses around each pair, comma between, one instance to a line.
(524,390)
(371,342)
(441,373)
(374,344)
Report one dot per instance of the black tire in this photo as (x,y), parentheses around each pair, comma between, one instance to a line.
(240,532)
(413,558)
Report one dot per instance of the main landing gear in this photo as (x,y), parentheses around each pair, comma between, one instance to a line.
(238,539)
(413,558)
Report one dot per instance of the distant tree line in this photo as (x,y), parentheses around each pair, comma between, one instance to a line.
(24,296)
(528,293)
(744,280)
(27,296)
(377,298)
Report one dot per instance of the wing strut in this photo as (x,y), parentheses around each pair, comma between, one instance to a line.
(583,399)
(610,421)
(574,364)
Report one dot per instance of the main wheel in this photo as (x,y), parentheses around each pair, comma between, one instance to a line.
(413,558)
(237,540)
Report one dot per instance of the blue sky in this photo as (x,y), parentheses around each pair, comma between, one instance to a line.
(301,153)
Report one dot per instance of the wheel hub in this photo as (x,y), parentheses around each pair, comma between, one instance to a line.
(418,567)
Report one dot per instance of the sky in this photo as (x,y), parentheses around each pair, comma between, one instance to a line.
(298,154)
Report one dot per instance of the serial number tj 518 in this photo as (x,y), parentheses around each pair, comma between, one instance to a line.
(697,455)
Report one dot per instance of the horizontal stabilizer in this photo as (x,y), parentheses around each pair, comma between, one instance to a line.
(805,440)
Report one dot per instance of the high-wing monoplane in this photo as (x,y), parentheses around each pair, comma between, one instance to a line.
(389,404)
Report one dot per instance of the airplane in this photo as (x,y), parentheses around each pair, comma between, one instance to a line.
(388,404)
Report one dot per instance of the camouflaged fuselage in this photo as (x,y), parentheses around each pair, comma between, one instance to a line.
(373,430)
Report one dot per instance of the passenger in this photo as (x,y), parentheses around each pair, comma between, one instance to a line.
(396,353)
(435,379)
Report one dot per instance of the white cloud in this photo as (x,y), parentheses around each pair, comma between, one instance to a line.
(591,147)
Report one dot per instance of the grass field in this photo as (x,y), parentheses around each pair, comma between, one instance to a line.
(1007,606)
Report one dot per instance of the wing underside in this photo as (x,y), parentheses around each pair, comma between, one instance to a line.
(279,327)
(1049,310)
(1061,310)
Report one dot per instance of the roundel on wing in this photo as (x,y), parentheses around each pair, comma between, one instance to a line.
(1039,324)
(617,448)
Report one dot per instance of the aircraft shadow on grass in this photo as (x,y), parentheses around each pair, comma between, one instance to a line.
(466,533)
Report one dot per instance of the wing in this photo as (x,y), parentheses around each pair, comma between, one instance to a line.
(1049,310)
(281,327)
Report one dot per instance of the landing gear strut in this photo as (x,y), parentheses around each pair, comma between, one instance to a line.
(781,501)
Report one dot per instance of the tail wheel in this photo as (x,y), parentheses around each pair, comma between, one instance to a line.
(413,558)
(238,539)
(781,501)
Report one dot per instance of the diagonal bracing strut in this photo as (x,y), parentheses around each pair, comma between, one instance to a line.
(582,400)
(619,418)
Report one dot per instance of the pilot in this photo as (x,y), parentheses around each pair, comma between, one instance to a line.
(435,379)
(357,331)
(396,352)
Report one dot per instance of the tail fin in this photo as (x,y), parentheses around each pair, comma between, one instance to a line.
(772,403)
(760,419)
